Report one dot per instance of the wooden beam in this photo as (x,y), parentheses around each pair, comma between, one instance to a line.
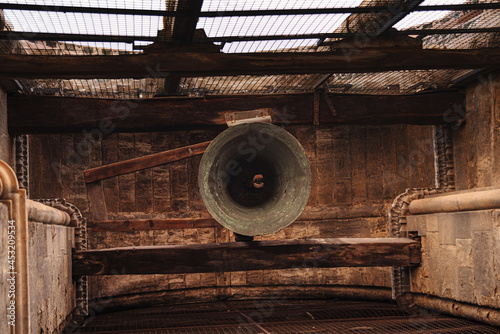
(40,114)
(192,64)
(183,32)
(148,161)
(95,194)
(150,224)
(185,27)
(243,256)
(310,214)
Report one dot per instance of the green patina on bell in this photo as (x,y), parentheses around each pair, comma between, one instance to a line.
(255,179)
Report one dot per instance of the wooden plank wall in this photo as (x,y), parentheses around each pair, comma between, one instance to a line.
(477,141)
(351,166)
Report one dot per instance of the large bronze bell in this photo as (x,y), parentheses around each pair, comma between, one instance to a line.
(255,179)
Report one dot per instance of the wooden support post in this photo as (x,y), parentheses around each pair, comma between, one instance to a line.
(316,107)
(330,104)
(95,194)
(243,256)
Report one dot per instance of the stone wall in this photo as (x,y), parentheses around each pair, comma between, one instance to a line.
(477,141)
(51,289)
(461,256)
(460,250)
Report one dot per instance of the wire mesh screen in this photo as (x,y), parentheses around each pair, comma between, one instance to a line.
(280,316)
(131,33)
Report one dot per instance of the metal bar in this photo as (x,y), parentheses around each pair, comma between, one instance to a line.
(405,10)
(18,35)
(183,13)
(40,36)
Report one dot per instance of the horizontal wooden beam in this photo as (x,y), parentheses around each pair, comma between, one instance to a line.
(39,114)
(44,36)
(148,161)
(310,214)
(243,256)
(150,224)
(193,64)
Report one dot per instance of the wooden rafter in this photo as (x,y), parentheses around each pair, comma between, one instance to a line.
(39,114)
(198,64)
(243,256)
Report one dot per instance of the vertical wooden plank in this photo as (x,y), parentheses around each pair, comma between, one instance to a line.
(324,154)
(179,198)
(316,107)
(143,178)
(374,169)
(357,139)
(126,183)
(161,175)
(97,201)
(110,186)
(342,165)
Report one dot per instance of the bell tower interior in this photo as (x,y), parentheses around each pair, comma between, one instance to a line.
(210,166)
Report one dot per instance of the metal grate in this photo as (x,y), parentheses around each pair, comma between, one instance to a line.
(279,316)
(139,26)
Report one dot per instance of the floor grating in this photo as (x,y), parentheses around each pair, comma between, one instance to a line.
(279,317)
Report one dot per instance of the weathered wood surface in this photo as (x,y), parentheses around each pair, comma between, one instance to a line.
(149,161)
(38,114)
(310,214)
(95,193)
(243,256)
(192,64)
(151,224)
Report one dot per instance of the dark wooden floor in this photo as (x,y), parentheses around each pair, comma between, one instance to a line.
(279,316)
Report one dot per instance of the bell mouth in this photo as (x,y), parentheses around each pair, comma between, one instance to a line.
(257,183)
(255,179)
